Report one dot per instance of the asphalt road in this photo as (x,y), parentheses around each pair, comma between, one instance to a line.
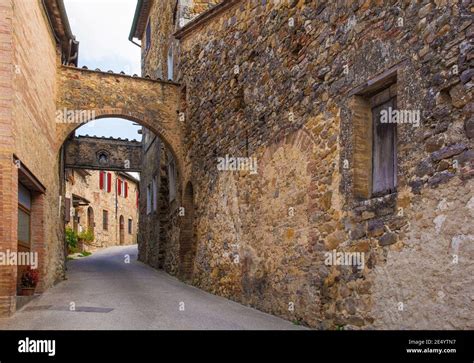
(104,292)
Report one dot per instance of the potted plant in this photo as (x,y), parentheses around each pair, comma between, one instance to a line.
(29,280)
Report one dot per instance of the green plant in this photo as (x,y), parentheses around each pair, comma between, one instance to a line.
(71,238)
(86,236)
(30,278)
(85,253)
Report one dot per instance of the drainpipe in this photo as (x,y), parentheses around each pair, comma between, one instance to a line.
(135,22)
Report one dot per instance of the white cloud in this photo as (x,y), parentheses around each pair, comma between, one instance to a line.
(102,28)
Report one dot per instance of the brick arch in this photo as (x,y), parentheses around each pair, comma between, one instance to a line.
(302,138)
(151,103)
(64,131)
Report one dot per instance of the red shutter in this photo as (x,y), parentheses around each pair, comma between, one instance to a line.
(126,189)
(109,182)
(101,180)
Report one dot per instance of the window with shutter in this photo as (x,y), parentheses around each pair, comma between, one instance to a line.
(119,186)
(374,136)
(101,180)
(109,182)
(384,171)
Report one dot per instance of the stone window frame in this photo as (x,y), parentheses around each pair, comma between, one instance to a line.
(105,220)
(362,122)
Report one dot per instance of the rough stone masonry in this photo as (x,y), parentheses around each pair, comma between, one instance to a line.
(298,86)
(295,85)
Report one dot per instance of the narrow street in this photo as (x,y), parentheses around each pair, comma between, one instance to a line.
(108,293)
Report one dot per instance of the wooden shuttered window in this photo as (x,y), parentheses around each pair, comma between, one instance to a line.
(101,180)
(109,182)
(119,187)
(384,147)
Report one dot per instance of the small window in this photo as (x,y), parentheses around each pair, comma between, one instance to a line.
(130,226)
(109,182)
(119,187)
(384,158)
(102,180)
(375,136)
(155,194)
(172,177)
(24,216)
(148,37)
(148,198)
(105,220)
(170,64)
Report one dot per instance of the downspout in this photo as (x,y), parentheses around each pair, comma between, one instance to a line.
(135,22)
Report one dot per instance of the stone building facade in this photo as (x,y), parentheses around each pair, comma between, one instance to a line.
(295,192)
(105,202)
(299,88)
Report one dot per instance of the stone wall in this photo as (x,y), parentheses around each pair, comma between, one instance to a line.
(149,231)
(281,81)
(86,184)
(103,153)
(157,245)
(167,17)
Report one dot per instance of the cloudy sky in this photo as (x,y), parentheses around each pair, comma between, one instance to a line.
(102,28)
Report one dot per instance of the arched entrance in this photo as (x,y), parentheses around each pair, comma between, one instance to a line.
(152,104)
(122,230)
(187,236)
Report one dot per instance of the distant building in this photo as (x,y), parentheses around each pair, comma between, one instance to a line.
(104,202)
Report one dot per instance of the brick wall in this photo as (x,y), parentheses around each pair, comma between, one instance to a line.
(8,172)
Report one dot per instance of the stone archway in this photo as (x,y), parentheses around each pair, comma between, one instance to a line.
(85,95)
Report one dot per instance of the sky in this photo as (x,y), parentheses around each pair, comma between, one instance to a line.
(102,28)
